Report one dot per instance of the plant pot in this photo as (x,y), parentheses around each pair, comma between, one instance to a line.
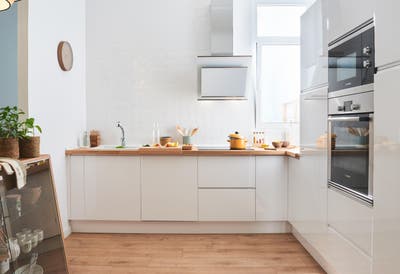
(9,148)
(29,147)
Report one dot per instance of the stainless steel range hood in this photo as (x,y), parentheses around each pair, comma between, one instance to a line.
(223,75)
(230,27)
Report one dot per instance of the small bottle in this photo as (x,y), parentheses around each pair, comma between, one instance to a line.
(85,139)
(156,134)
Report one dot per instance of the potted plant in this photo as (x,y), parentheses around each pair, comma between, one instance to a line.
(9,131)
(29,143)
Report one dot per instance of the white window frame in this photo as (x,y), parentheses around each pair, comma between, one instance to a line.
(272,40)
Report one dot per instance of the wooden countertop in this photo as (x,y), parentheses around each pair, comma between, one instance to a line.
(294,153)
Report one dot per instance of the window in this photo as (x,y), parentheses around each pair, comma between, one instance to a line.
(278,64)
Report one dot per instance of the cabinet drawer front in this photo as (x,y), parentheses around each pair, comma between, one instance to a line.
(226,204)
(351,219)
(217,172)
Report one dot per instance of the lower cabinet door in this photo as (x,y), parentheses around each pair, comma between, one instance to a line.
(169,188)
(76,197)
(352,219)
(271,181)
(227,205)
(112,188)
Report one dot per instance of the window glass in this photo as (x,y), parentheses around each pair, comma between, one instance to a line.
(279,83)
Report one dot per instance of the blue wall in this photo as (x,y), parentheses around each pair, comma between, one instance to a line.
(9,57)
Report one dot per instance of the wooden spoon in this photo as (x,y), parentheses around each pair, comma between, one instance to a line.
(180,130)
(194,131)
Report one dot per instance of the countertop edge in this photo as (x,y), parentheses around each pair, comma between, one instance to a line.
(293,153)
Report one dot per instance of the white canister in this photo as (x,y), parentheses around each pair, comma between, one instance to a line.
(15,251)
(26,246)
(40,234)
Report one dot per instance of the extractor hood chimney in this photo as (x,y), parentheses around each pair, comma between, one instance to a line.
(221,12)
(230,24)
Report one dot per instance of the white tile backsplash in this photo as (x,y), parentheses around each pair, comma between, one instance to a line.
(141,68)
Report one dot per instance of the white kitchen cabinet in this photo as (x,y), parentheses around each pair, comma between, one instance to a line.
(169,188)
(76,197)
(308,216)
(342,256)
(307,194)
(314,46)
(313,126)
(386,237)
(345,15)
(226,172)
(387,32)
(112,188)
(271,185)
(352,219)
(226,205)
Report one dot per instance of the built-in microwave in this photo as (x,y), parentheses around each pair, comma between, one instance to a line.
(352,61)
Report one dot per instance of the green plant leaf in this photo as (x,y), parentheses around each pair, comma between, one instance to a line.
(12,126)
(39,129)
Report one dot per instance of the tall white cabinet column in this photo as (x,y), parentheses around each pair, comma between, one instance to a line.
(307,189)
(386,237)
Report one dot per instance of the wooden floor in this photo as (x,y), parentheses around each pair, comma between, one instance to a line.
(133,253)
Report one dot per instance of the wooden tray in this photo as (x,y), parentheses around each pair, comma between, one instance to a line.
(282,148)
(161,150)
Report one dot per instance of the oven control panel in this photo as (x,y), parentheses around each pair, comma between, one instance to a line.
(349,106)
(356,103)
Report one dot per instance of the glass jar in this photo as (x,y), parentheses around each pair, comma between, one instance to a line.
(14,248)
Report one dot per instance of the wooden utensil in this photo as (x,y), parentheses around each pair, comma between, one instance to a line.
(194,131)
(354,132)
(180,130)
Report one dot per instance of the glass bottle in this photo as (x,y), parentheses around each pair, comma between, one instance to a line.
(156,133)
(85,142)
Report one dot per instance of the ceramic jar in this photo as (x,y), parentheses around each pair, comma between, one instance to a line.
(15,251)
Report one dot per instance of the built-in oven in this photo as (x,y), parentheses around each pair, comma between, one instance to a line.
(352,61)
(350,157)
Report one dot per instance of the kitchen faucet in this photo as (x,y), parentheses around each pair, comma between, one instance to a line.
(123,140)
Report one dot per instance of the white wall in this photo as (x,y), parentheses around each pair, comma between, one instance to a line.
(141,68)
(57,98)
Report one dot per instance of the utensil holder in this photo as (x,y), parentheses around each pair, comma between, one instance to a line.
(187,140)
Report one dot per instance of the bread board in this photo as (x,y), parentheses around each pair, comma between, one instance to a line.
(160,150)
(282,148)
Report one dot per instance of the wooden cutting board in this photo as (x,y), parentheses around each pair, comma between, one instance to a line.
(161,150)
(282,148)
